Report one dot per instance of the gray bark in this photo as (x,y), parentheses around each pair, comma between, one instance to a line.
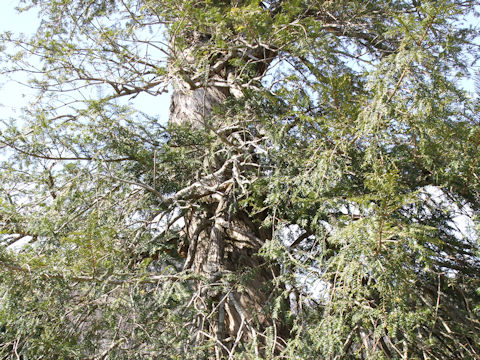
(221,242)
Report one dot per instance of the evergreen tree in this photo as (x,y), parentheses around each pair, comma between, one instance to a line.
(314,194)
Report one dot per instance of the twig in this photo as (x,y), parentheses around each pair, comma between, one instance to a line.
(143,280)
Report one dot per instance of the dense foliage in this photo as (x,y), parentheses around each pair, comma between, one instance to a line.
(315,194)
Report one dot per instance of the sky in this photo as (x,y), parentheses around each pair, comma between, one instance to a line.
(10,20)
(13,95)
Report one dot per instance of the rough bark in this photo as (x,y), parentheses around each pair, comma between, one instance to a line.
(220,242)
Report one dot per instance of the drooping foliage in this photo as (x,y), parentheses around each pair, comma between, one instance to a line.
(314,195)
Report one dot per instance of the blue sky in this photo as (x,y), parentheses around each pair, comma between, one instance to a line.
(14,95)
(10,20)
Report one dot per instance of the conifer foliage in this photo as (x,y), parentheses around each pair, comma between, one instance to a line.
(313,195)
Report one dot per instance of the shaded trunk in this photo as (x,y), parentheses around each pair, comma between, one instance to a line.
(222,242)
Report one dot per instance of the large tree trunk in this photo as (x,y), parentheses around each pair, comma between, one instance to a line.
(220,241)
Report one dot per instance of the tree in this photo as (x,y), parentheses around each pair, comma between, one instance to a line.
(303,200)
